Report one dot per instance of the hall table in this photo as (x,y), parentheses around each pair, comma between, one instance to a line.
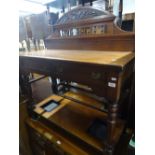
(105,72)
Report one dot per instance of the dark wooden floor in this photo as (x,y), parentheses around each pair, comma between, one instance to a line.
(42,89)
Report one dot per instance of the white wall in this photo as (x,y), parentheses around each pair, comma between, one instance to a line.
(128,6)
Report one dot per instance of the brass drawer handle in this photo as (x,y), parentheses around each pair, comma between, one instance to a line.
(95,76)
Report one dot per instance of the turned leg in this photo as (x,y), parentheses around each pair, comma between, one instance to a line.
(27,91)
(54,85)
(111,124)
(25,85)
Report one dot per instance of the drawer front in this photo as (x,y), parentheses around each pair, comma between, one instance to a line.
(95,76)
(36,65)
(78,72)
(37,138)
(82,73)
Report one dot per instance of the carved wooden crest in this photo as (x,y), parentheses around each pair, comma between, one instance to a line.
(80,13)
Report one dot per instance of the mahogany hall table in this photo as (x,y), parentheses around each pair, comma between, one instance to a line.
(105,72)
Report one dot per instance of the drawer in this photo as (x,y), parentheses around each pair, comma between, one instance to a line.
(67,70)
(81,73)
(35,136)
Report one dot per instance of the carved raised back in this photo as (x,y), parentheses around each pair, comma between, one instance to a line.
(80,13)
(87,28)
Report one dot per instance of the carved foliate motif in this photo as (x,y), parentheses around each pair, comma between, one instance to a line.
(78,14)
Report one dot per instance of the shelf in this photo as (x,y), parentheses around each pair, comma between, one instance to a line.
(75,120)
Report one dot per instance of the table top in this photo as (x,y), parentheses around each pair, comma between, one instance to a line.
(116,58)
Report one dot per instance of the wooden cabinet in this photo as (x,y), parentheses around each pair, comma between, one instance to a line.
(106,73)
(41,146)
(45,141)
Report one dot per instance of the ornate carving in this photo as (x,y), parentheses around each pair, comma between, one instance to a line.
(82,30)
(74,23)
(80,13)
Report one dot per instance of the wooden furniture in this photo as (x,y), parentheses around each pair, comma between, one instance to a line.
(75,120)
(78,28)
(45,140)
(90,49)
(128,22)
(24,146)
(106,74)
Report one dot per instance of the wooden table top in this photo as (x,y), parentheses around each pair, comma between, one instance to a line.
(93,57)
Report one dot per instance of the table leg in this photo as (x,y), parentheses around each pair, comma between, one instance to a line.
(54,85)
(24,85)
(111,122)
